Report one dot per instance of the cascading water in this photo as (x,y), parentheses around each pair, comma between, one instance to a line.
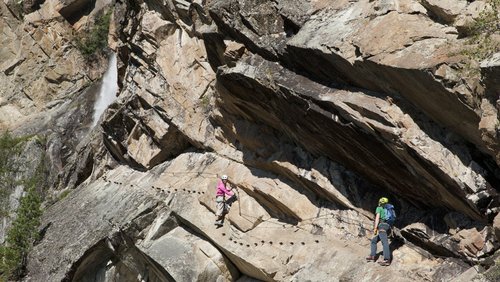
(109,87)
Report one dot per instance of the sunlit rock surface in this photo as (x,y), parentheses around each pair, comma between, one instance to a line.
(314,109)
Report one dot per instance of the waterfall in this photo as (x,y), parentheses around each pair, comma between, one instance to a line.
(109,87)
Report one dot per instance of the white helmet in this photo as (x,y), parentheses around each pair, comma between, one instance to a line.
(224,177)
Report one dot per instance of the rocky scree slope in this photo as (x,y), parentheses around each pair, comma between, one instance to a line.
(314,109)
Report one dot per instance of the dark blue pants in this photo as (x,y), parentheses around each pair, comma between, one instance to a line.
(383,228)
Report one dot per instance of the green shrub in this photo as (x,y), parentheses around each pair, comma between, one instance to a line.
(21,235)
(10,148)
(24,228)
(481,32)
(95,40)
(487,22)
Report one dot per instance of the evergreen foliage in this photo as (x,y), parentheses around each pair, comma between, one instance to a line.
(24,228)
(10,148)
(95,40)
(21,235)
(482,32)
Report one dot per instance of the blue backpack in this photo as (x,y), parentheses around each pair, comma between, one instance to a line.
(390,214)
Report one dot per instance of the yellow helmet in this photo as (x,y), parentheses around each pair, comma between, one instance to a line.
(383,201)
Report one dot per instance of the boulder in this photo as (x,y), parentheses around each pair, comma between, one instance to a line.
(421,235)
(471,242)
(445,11)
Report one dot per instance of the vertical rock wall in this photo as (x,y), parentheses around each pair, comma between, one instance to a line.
(314,110)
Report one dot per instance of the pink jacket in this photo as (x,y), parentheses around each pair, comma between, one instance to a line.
(222,190)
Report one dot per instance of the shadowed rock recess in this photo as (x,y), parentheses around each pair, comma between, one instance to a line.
(314,109)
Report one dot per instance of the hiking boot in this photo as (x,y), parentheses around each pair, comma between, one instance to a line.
(218,223)
(370,258)
(385,262)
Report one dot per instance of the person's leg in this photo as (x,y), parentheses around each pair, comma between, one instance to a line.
(231,200)
(385,242)
(219,210)
(373,248)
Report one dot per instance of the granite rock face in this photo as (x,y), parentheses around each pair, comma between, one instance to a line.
(314,109)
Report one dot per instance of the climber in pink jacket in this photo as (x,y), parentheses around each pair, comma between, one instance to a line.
(222,204)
